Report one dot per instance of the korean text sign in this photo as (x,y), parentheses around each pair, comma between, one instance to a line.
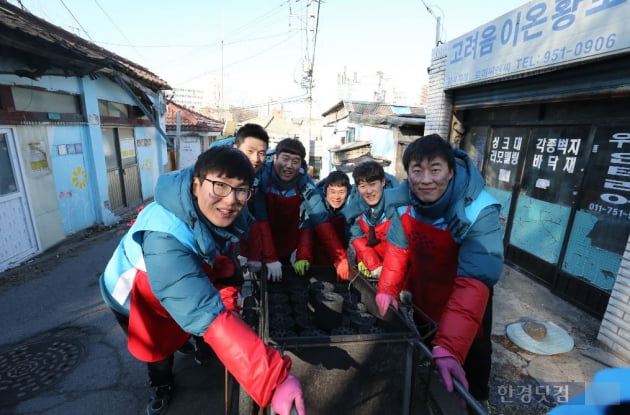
(539,34)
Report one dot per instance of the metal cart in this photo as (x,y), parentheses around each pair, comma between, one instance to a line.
(383,369)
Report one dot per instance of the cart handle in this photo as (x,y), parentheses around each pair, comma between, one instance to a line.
(461,390)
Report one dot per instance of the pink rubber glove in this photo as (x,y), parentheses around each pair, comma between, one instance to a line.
(449,368)
(383,301)
(287,393)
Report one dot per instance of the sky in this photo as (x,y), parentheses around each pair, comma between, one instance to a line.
(254,53)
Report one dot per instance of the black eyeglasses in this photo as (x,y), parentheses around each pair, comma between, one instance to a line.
(221,189)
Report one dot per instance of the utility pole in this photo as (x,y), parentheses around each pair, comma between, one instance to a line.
(438,24)
(312,17)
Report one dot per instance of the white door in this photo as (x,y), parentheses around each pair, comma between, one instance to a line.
(17,236)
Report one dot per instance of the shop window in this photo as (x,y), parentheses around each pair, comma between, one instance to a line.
(35,100)
(117,113)
(7,178)
(19,104)
(554,163)
(602,222)
(506,148)
(350,135)
(475,145)
(551,173)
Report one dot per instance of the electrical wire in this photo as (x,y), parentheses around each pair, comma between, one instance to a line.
(234,63)
(77,21)
(298,98)
(118,29)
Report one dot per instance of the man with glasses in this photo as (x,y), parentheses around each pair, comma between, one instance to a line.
(166,279)
(285,190)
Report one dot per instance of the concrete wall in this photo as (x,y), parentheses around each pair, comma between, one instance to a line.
(440,103)
(615,329)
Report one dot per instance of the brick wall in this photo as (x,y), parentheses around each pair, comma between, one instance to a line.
(439,103)
(614,331)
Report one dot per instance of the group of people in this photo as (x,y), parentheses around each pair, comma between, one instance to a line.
(176,273)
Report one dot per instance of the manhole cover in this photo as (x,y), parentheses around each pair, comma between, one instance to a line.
(29,369)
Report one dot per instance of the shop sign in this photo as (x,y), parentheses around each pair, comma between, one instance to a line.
(607,189)
(539,34)
(555,163)
(504,156)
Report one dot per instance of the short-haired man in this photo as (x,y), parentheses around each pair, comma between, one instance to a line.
(445,231)
(334,189)
(253,141)
(285,190)
(369,229)
(164,281)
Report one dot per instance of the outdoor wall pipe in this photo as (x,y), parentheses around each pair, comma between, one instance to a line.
(144,109)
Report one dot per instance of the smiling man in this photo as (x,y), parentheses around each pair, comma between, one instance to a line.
(253,140)
(334,189)
(168,277)
(287,191)
(445,247)
(369,228)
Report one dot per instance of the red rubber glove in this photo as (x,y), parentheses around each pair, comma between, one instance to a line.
(449,368)
(287,393)
(229,296)
(383,301)
(255,365)
(343,269)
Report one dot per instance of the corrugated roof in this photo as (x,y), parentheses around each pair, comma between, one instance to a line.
(51,50)
(376,108)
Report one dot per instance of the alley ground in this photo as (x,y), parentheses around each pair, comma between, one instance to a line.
(61,351)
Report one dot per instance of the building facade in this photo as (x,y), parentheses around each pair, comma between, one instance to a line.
(356,131)
(538,97)
(191,133)
(81,135)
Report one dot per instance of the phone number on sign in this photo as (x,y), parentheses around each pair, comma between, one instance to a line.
(581,48)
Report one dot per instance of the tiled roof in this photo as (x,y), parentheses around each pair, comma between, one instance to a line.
(190,120)
(49,49)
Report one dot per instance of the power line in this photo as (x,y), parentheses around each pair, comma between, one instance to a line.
(22,6)
(77,21)
(298,98)
(235,62)
(198,45)
(118,28)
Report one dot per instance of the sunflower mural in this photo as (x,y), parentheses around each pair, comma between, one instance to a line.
(79,178)
(148,165)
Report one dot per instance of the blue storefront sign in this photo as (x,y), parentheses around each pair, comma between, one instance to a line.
(538,35)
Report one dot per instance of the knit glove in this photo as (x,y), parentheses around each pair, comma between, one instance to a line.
(274,271)
(363,269)
(301,266)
